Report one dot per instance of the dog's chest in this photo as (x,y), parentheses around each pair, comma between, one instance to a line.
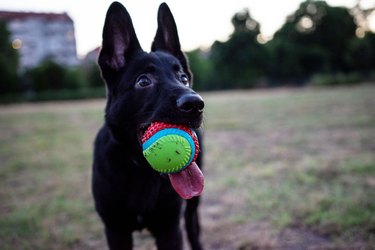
(140,189)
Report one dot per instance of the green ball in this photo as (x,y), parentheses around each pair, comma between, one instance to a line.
(168,154)
(168,148)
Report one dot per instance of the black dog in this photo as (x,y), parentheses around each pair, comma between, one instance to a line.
(143,88)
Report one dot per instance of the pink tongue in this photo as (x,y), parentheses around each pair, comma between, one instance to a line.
(189,182)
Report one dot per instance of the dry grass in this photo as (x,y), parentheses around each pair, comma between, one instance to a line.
(284,168)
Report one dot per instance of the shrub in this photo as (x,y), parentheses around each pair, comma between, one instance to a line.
(336,79)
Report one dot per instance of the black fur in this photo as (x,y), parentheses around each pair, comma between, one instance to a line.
(142,88)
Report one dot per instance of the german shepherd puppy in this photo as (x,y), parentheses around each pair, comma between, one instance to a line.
(143,88)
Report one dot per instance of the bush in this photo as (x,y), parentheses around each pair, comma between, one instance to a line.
(47,76)
(336,79)
(201,69)
(51,81)
(9,80)
(75,79)
(92,74)
(55,95)
(68,94)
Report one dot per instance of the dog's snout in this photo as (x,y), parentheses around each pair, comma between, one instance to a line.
(190,103)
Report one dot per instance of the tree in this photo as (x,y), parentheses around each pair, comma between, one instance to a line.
(200,65)
(361,17)
(240,61)
(9,80)
(47,76)
(320,35)
(317,39)
(93,76)
(50,75)
(361,54)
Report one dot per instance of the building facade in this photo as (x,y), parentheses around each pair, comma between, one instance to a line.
(41,36)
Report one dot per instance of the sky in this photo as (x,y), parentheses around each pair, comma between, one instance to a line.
(199,22)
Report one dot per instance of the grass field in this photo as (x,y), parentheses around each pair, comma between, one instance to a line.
(285,169)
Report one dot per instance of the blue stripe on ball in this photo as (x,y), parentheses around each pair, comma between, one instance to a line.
(174,131)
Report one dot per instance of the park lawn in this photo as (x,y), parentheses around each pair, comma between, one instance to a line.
(284,158)
(300,158)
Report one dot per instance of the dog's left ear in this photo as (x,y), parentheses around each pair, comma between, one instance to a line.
(119,39)
(166,38)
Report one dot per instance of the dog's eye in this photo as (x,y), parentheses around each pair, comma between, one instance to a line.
(143,81)
(184,79)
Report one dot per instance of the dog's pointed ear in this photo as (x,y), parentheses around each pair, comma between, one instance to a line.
(119,39)
(166,38)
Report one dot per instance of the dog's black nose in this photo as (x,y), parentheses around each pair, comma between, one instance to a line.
(190,103)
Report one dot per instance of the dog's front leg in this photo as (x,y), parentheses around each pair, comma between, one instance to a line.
(192,223)
(170,239)
(119,240)
(165,223)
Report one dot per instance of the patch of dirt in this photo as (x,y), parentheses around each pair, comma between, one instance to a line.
(221,234)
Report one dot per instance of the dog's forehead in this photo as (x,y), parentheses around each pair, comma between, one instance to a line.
(162,58)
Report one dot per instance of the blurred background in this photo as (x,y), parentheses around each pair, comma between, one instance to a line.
(302,43)
(289,120)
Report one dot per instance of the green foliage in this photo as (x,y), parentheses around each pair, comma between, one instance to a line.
(361,53)
(75,79)
(244,23)
(9,80)
(318,36)
(317,41)
(201,67)
(93,76)
(240,61)
(289,61)
(51,81)
(49,75)
(67,94)
(317,44)
(336,79)
(47,81)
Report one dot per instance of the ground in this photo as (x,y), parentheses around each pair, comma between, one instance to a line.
(284,169)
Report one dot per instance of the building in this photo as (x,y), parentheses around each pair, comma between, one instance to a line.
(39,36)
(91,57)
